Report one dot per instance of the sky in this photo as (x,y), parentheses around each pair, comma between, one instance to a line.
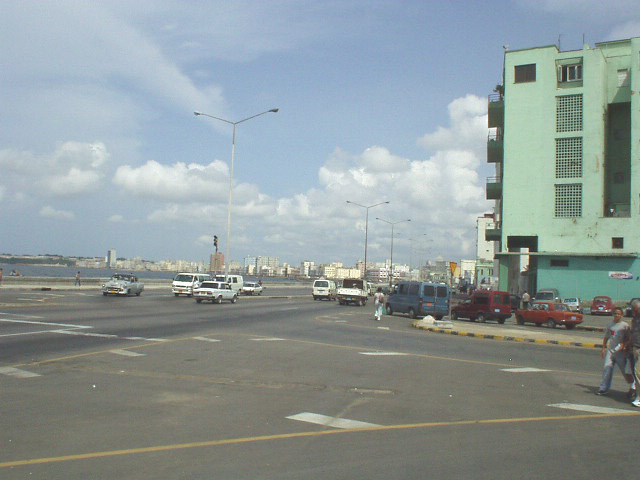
(379,101)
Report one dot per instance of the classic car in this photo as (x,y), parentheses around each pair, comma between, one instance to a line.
(123,284)
(251,288)
(602,305)
(549,314)
(215,292)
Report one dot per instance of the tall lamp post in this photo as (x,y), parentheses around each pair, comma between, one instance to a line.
(233,153)
(393,224)
(366,230)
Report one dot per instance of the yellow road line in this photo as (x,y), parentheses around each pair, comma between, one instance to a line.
(287,436)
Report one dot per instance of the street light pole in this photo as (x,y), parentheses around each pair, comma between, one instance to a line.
(393,224)
(366,230)
(233,153)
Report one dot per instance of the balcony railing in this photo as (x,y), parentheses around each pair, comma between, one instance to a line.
(495,148)
(494,188)
(493,232)
(496,110)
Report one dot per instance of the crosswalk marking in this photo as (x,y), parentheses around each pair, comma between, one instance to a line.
(587,408)
(127,353)
(335,422)
(16,372)
(524,370)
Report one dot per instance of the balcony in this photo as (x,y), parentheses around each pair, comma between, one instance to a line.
(496,110)
(494,188)
(495,148)
(493,233)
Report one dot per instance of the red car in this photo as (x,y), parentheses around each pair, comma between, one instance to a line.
(549,314)
(602,306)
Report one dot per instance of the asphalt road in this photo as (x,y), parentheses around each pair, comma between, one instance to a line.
(271,388)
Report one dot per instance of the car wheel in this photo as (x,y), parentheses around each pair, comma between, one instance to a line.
(219,300)
(570,326)
(104,293)
(501,321)
(138,294)
(177,294)
(412,313)
(454,315)
(520,320)
(198,300)
(389,310)
(551,323)
(481,318)
(234,299)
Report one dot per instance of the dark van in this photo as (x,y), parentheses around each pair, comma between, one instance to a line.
(419,299)
(484,305)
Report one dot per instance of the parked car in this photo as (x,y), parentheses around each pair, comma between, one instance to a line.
(419,299)
(550,314)
(515,302)
(252,288)
(123,284)
(573,303)
(323,288)
(602,305)
(484,305)
(628,312)
(183,283)
(215,292)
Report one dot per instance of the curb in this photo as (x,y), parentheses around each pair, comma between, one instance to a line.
(508,338)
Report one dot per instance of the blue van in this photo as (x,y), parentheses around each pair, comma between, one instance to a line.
(419,299)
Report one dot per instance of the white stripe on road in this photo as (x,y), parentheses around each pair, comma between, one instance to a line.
(330,421)
(271,339)
(206,339)
(381,354)
(127,353)
(587,408)
(19,315)
(31,322)
(524,370)
(16,372)
(382,328)
(84,334)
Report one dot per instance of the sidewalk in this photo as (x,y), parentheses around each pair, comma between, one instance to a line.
(580,337)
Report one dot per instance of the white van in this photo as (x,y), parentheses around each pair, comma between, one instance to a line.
(236,281)
(323,288)
(184,283)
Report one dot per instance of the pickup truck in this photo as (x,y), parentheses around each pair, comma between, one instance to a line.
(549,314)
(353,290)
(214,292)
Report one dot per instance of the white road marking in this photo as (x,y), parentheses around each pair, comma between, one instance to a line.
(330,421)
(49,324)
(382,328)
(382,354)
(127,353)
(587,408)
(19,315)
(271,339)
(206,339)
(16,372)
(524,370)
(84,334)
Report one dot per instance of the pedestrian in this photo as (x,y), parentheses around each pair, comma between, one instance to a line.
(379,301)
(632,345)
(0,277)
(78,283)
(526,298)
(613,351)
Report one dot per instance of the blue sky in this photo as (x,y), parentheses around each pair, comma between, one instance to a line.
(379,101)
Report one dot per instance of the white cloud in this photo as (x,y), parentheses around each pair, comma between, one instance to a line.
(116,219)
(50,212)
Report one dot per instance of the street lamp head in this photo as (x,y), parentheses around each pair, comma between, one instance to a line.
(197,113)
(274,110)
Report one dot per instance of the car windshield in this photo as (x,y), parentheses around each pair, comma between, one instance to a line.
(570,300)
(183,278)
(209,285)
(600,300)
(561,307)
(119,276)
(321,284)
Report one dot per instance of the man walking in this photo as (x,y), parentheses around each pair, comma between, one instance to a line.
(633,347)
(613,351)
(78,283)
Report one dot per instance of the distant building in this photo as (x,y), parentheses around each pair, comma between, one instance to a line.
(111,258)
(566,147)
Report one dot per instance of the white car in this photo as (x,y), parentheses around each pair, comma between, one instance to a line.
(123,284)
(573,303)
(214,292)
(251,288)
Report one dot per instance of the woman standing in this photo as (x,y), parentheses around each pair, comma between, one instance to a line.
(379,301)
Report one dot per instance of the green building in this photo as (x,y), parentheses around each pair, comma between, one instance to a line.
(565,143)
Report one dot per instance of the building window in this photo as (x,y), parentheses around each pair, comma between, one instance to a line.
(570,73)
(568,200)
(559,263)
(525,73)
(617,242)
(568,157)
(569,113)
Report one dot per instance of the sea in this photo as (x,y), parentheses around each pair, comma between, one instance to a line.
(64,271)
